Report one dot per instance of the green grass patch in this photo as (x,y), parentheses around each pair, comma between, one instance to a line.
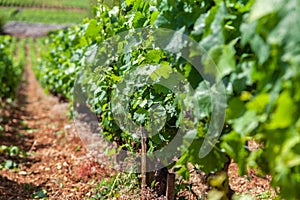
(121,185)
(20,57)
(47,16)
(46,3)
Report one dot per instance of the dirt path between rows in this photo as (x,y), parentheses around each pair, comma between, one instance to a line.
(57,161)
(25,29)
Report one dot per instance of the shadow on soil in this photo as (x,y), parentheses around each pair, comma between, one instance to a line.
(16,141)
(11,190)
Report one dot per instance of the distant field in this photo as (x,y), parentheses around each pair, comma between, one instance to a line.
(42,15)
(48,3)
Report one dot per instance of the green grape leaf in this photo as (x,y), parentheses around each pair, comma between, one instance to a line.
(138,20)
(236,108)
(259,103)
(261,48)
(93,29)
(163,71)
(215,37)
(234,145)
(246,123)
(199,25)
(263,8)
(9,164)
(283,115)
(154,56)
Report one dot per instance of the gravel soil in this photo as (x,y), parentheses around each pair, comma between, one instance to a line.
(57,161)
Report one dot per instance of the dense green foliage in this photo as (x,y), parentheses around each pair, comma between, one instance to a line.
(10,72)
(12,58)
(257,55)
(269,109)
(59,67)
(18,47)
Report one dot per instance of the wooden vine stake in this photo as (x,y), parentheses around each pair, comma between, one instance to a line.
(144,161)
(165,180)
(170,186)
